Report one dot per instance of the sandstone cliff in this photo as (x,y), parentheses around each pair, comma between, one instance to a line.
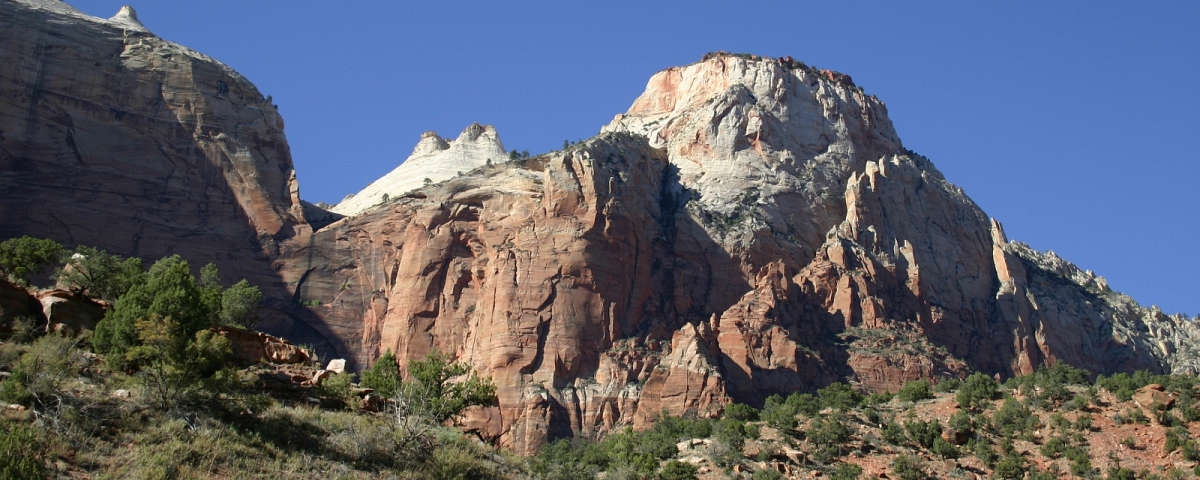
(750,226)
(433,160)
(113,137)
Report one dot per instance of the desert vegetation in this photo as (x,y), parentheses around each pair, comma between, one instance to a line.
(154,392)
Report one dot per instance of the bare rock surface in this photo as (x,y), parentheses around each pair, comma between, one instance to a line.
(750,226)
(433,160)
(69,313)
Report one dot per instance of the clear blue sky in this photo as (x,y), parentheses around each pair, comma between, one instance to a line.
(1074,125)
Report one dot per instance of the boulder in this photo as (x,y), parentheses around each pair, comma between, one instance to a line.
(250,347)
(69,313)
(17,304)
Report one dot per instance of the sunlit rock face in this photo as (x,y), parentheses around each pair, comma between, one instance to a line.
(433,160)
(749,226)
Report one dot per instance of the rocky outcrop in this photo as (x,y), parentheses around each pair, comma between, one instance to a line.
(70,314)
(435,159)
(251,348)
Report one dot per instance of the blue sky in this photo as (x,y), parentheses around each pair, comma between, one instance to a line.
(1073,125)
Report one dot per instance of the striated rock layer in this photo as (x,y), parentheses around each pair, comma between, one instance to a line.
(750,226)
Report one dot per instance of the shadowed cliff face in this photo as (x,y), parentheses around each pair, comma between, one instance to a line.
(111,136)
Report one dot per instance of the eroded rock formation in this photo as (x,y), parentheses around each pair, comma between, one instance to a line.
(750,226)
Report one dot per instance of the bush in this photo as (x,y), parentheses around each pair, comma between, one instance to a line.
(97,274)
(908,467)
(22,452)
(947,384)
(384,376)
(21,258)
(1054,447)
(894,434)
(839,396)
(179,368)
(977,392)
(168,291)
(742,412)
(1081,463)
(828,435)
(1013,417)
(846,471)
(767,474)
(779,414)
(337,389)
(1010,467)
(445,399)
(923,433)
(677,470)
(41,372)
(915,391)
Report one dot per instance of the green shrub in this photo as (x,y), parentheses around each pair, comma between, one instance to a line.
(336,389)
(915,391)
(1081,463)
(729,431)
(431,384)
(846,471)
(384,377)
(21,258)
(779,414)
(944,449)
(923,433)
(984,452)
(1010,467)
(742,412)
(947,384)
(1083,421)
(977,392)
(828,435)
(961,422)
(908,467)
(1054,447)
(179,367)
(894,434)
(677,470)
(22,452)
(767,474)
(839,396)
(42,371)
(1013,417)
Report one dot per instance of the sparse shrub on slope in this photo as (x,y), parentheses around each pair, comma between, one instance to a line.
(977,392)
(915,391)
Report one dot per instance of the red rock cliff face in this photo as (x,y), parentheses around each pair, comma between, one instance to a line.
(749,227)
